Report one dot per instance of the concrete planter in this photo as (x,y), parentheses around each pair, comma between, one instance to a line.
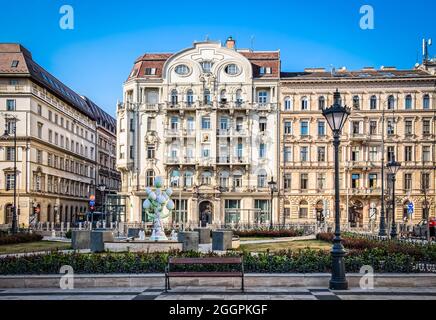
(189,240)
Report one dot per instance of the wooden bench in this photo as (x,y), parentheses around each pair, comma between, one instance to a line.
(172,261)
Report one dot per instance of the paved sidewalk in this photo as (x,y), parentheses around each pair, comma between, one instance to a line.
(219,293)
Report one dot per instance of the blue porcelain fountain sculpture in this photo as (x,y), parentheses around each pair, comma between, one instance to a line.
(154,205)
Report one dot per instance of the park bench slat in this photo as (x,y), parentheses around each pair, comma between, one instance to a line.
(205,274)
(217,260)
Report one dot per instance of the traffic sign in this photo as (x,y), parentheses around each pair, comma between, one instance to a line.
(410,207)
(91,203)
(92,197)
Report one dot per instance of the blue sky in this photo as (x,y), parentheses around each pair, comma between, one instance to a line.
(95,58)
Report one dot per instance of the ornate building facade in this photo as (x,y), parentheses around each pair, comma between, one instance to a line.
(392,115)
(56,133)
(206,120)
(218,123)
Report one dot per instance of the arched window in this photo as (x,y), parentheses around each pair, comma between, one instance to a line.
(303,211)
(149,178)
(189,179)
(391,102)
(174,99)
(426,102)
(373,103)
(356,102)
(304,103)
(288,104)
(8,213)
(321,103)
(408,102)
(224,179)
(174,178)
(189,97)
(207,97)
(206,177)
(262,178)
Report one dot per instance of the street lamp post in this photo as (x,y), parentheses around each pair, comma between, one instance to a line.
(336,117)
(102,187)
(6,135)
(272,186)
(393,167)
(382,228)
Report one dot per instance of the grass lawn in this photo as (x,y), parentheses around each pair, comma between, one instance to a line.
(33,247)
(290,245)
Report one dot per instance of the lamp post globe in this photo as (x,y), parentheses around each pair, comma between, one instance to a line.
(336,117)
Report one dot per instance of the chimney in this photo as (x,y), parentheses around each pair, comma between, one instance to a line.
(230,43)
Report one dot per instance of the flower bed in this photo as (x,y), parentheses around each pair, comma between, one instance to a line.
(268,233)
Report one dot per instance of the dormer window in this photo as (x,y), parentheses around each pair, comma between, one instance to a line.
(14,64)
(265,70)
(206,66)
(150,71)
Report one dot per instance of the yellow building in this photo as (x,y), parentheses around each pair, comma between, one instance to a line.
(391,109)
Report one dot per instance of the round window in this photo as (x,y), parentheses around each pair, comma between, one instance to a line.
(232,69)
(182,69)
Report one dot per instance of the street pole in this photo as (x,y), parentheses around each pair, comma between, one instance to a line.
(14,213)
(382,228)
(338,280)
(394,226)
(271,210)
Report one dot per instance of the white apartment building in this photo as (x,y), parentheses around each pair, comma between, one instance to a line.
(206,120)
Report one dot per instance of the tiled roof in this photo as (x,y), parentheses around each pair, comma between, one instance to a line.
(361,74)
(103,118)
(149,60)
(29,68)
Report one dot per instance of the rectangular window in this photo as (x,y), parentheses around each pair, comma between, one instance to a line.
(10,181)
(391,153)
(390,129)
(321,180)
(321,128)
(355,180)
(39,130)
(321,154)
(262,124)
(408,181)
(224,123)
(425,181)
(408,127)
(426,153)
(408,153)
(356,127)
(373,151)
(39,156)
(50,115)
(262,150)
(355,154)
(304,154)
(304,125)
(131,152)
(205,123)
(287,182)
(10,104)
(50,135)
(372,180)
(426,127)
(373,127)
(150,152)
(10,153)
(288,127)
(132,125)
(287,154)
(304,179)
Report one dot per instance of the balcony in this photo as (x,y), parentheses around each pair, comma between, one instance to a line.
(223,160)
(173,160)
(358,137)
(172,133)
(223,132)
(265,106)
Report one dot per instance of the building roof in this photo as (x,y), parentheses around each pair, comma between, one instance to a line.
(258,59)
(103,118)
(366,73)
(15,60)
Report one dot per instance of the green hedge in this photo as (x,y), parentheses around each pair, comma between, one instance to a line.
(302,261)
(426,252)
(20,238)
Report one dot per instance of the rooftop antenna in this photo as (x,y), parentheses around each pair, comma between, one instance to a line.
(207,38)
(425,44)
(252,42)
